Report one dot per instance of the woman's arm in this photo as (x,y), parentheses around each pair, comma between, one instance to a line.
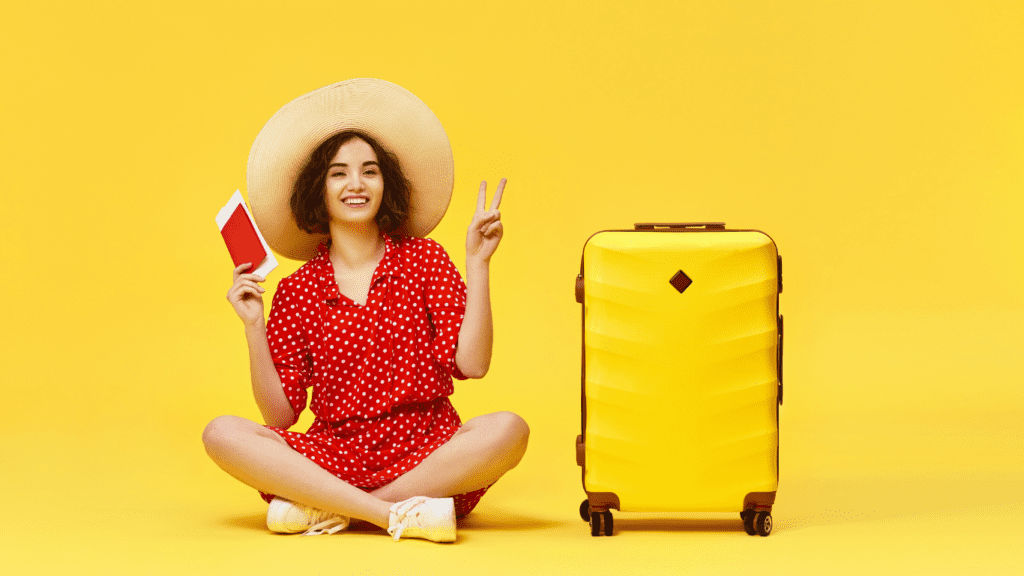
(266,384)
(246,296)
(473,355)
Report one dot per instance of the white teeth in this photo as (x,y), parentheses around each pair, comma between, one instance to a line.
(355,201)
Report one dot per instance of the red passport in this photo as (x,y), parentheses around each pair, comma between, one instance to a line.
(244,241)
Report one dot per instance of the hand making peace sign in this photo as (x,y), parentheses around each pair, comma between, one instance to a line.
(485,230)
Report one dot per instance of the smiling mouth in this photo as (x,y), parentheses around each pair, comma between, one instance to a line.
(355,201)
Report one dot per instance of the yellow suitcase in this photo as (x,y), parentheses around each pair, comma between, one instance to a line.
(682,372)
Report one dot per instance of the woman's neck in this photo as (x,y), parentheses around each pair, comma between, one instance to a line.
(355,246)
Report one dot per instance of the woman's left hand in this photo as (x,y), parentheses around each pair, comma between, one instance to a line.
(485,230)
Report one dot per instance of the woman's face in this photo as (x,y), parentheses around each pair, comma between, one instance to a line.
(354,186)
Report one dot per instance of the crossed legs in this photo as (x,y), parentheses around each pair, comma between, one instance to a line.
(477,455)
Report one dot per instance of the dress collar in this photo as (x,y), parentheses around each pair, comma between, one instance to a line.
(390,265)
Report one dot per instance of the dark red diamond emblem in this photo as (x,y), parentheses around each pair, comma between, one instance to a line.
(680,281)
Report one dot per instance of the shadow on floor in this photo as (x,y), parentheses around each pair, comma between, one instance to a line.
(489,519)
(247,522)
(675,525)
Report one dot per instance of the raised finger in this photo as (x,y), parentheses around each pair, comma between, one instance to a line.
(496,201)
(481,199)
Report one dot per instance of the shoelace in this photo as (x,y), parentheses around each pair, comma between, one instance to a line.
(405,515)
(323,522)
(332,525)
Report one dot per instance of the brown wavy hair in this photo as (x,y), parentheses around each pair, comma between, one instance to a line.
(308,202)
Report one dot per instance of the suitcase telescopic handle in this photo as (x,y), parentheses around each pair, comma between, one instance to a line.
(679,225)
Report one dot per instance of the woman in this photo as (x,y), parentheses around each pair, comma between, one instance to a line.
(377,322)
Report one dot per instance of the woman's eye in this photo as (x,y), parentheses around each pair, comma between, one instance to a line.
(337,174)
(370,173)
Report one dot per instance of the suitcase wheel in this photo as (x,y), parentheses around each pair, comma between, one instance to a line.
(763,523)
(585,510)
(599,520)
(748,522)
(609,523)
(757,523)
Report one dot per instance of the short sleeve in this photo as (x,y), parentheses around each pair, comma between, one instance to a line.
(289,344)
(446,306)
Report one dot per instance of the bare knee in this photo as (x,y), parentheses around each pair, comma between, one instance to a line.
(516,429)
(511,433)
(219,432)
(225,433)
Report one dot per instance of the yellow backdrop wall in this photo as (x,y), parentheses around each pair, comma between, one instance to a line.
(880,143)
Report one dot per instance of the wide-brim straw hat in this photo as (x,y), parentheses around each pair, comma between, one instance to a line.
(390,114)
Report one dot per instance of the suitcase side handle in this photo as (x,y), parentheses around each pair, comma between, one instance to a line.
(679,225)
(779,360)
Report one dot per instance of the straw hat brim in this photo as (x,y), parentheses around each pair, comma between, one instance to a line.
(390,114)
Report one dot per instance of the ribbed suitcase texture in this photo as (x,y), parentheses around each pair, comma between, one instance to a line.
(681,372)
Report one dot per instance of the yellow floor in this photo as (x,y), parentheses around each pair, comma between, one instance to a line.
(181,515)
(514,536)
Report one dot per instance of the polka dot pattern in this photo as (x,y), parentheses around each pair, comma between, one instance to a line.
(380,373)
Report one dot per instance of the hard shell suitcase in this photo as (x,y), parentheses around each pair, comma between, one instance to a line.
(682,372)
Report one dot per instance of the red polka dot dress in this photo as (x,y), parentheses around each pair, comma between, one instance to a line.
(380,373)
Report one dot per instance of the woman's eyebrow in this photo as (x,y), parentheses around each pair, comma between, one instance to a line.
(343,165)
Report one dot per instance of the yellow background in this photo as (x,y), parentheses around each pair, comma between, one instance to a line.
(880,143)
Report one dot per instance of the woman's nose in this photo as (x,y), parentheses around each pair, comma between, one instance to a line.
(356,183)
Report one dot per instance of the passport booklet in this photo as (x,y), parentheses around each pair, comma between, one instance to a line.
(243,238)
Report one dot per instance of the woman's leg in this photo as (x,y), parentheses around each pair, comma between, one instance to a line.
(262,459)
(477,455)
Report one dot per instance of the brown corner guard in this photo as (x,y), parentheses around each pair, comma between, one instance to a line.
(579,450)
(602,501)
(761,501)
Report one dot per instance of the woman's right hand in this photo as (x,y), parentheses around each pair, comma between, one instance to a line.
(246,295)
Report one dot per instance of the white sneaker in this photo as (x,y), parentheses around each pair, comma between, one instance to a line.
(421,517)
(288,517)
